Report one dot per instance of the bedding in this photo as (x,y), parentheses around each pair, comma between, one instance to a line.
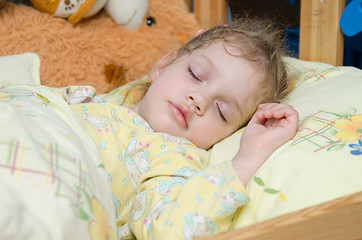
(54,186)
(51,180)
(22,68)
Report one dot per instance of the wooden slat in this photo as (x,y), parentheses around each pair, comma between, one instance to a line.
(334,220)
(321,39)
(210,12)
(188,3)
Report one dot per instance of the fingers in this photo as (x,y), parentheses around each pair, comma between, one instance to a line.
(272,125)
(275,110)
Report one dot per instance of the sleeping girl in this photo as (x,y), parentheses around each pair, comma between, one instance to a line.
(155,154)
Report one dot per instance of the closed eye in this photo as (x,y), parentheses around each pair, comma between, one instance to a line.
(192,74)
(220,113)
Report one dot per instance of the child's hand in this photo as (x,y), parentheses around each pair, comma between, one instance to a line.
(272,125)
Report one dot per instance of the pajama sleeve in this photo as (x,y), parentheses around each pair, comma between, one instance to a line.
(182,201)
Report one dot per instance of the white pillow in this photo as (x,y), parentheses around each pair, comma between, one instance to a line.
(22,68)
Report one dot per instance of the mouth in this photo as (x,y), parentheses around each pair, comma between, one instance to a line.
(179,113)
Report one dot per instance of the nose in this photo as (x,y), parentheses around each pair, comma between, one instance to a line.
(198,101)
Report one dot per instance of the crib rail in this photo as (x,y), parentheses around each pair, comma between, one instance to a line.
(333,220)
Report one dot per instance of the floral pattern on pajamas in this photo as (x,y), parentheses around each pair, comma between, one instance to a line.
(163,187)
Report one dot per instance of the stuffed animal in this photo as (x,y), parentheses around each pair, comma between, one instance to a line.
(96,51)
(129,14)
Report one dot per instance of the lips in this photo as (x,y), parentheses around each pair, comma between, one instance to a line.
(180,113)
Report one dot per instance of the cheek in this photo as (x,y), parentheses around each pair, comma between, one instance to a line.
(161,87)
(209,132)
(221,131)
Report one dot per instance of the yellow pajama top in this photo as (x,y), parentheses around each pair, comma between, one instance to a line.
(162,185)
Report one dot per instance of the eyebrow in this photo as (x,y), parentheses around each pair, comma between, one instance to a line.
(210,63)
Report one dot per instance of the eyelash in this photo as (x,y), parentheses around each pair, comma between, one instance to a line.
(192,73)
(220,113)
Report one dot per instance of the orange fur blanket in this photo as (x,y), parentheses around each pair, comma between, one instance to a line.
(81,54)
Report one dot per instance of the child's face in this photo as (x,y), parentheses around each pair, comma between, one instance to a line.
(203,97)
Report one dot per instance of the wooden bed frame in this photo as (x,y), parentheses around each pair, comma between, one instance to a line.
(321,40)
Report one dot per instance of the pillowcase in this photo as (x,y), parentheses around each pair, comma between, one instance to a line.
(21,68)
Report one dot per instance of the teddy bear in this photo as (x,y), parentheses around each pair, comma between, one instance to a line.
(96,51)
(127,13)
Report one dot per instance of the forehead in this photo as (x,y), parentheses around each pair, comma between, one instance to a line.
(228,64)
(225,59)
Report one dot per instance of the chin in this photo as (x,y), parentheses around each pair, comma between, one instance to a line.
(161,126)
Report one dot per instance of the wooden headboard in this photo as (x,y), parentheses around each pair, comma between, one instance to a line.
(321,39)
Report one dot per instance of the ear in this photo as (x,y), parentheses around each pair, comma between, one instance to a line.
(161,64)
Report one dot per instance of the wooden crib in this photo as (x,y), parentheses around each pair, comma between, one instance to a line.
(321,40)
(337,217)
